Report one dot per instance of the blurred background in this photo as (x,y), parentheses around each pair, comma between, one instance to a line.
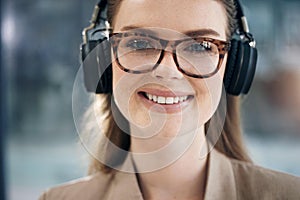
(40,57)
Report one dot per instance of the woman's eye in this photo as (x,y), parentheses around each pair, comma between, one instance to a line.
(199,47)
(138,44)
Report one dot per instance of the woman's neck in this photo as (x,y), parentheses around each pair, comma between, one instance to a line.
(185,178)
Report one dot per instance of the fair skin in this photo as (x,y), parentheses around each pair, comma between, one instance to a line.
(155,126)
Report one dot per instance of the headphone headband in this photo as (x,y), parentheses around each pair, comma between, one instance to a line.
(243,26)
(100,14)
(240,15)
(99,17)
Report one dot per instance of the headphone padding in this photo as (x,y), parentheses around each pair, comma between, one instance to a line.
(89,66)
(97,66)
(231,64)
(105,67)
(250,69)
(241,70)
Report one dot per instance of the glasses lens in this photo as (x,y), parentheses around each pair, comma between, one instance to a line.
(138,53)
(198,57)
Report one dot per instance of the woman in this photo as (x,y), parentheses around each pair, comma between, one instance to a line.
(171,130)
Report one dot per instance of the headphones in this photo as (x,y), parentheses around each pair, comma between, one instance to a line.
(96,54)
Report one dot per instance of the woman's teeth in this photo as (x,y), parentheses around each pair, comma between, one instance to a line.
(166,100)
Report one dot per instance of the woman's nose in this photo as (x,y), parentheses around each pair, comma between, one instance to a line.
(167,68)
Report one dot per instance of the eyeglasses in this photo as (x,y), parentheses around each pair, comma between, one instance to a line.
(198,57)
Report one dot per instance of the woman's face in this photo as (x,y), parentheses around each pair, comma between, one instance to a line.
(182,103)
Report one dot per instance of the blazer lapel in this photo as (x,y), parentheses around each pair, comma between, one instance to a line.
(220,178)
(125,185)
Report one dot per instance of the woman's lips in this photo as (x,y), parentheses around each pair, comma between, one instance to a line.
(169,100)
(165,101)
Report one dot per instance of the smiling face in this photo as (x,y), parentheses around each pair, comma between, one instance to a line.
(166,100)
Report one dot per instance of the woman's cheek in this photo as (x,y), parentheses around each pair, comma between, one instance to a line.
(117,74)
(126,98)
(208,95)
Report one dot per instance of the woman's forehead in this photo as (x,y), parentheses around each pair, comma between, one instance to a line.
(182,16)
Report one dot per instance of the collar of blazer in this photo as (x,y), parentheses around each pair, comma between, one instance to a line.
(220,180)
(226,179)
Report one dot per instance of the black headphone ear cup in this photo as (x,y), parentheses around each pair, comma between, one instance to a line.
(249,68)
(234,87)
(97,67)
(105,83)
(105,67)
(89,66)
(233,55)
(240,67)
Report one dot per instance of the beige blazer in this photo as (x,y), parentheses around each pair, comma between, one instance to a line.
(227,179)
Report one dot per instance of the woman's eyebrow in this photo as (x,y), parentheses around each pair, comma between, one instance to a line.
(139,28)
(202,32)
(126,28)
(191,33)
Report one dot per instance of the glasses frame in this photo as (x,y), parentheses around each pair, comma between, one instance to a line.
(223,48)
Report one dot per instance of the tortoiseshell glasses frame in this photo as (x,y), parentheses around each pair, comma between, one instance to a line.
(221,48)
